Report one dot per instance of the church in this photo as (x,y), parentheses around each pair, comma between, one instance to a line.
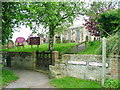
(76,34)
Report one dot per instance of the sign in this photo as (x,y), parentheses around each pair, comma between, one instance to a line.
(20,40)
(34,40)
(77,62)
(85,63)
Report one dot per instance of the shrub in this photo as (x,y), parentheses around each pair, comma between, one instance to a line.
(112,83)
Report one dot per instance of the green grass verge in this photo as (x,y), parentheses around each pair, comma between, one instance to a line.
(7,77)
(71,82)
(93,47)
(43,47)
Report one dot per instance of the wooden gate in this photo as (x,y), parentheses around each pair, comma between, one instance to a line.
(43,59)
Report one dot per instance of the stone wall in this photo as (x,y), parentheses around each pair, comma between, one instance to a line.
(21,60)
(84,67)
(114,67)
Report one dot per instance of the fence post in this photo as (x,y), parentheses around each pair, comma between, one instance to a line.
(103,60)
(54,57)
(34,59)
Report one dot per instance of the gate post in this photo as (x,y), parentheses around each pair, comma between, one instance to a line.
(34,59)
(103,60)
(54,57)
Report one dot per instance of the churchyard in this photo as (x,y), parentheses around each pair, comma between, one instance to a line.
(61,54)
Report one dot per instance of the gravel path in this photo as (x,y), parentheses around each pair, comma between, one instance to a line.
(30,79)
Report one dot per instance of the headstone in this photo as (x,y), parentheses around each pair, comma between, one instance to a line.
(25,43)
(10,44)
(41,40)
(4,46)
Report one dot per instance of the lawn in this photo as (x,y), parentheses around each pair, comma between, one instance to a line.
(7,77)
(43,47)
(71,82)
(93,47)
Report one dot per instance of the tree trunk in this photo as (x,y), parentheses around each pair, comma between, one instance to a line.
(51,38)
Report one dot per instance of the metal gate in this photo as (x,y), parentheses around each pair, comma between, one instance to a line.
(43,59)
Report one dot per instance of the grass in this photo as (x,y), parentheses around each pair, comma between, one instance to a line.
(43,47)
(7,77)
(71,82)
(92,48)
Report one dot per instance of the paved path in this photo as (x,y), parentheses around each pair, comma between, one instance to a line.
(30,79)
(79,48)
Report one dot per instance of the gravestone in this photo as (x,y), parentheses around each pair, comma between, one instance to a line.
(4,46)
(41,40)
(25,43)
(10,44)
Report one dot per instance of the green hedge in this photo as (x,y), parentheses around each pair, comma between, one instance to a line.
(112,83)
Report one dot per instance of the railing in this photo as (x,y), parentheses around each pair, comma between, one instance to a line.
(73,47)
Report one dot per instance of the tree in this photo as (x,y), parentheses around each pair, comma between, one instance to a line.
(109,21)
(52,15)
(92,12)
(11,18)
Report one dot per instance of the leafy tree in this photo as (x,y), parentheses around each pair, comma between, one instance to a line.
(11,18)
(62,29)
(52,15)
(109,21)
(92,12)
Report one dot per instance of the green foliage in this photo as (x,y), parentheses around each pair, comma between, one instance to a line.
(93,47)
(71,82)
(62,29)
(43,47)
(11,18)
(113,44)
(109,22)
(7,77)
(112,83)
(49,14)
(54,14)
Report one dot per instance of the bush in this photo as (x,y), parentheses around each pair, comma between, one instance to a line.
(112,83)
(109,21)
